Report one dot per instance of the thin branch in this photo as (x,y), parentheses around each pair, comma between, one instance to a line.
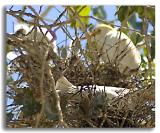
(18,12)
(57,97)
(84,29)
(104,21)
(41,88)
(147,41)
(124,119)
(39,25)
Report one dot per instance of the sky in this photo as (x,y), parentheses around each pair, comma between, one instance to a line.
(119,2)
(54,13)
(11,23)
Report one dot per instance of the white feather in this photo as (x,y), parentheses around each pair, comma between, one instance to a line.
(117,48)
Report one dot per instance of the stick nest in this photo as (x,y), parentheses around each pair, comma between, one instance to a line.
(86,107)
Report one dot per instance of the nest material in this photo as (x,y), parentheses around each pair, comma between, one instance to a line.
(85,108)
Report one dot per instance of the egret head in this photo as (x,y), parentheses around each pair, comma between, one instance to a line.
(102,29)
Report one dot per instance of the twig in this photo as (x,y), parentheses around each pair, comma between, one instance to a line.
(84,29)
(58,107)
(41,88)
(90,122)
(148,48)
(40,9)
(11,8)
(67,33)
(104,119)
(19,12)
(124,119)
(104,21)
(58,19)
(81,9)
(41,19)
(39,25)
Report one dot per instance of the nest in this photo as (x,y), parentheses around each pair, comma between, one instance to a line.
(85,108)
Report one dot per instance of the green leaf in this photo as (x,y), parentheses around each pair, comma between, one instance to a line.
(136,37)
(133,22)
(99,12)
(145,51)
(82,11)
(153,47)
(122,13)
(150,13)
(140,11)
(125,31)
(25,97)
(64,52)
(127,11)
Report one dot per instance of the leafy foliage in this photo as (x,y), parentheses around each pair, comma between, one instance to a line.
(36,103)
(100,12)
(25,97)
(81,11)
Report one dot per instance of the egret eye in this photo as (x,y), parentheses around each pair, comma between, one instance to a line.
(98,31)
